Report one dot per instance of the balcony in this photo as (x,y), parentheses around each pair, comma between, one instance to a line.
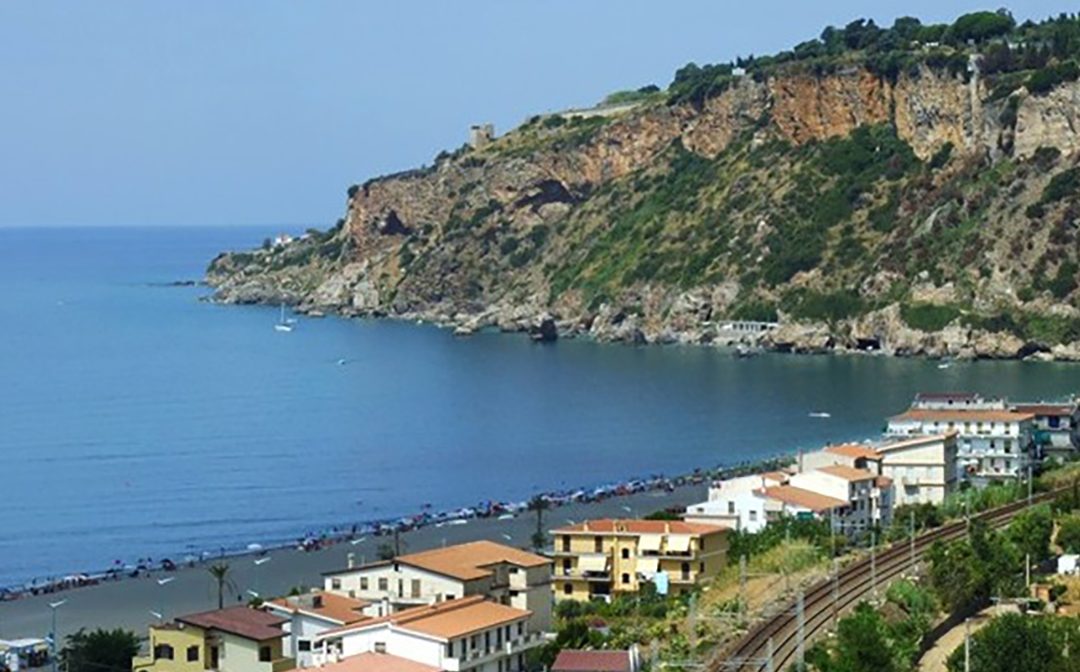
(478,657)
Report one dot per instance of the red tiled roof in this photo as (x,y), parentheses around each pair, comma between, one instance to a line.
(806,499)
(445,620)
(376,662)
(847,473)
(242,621)
(591,661)
(620,526)
(343,610)
(855,450)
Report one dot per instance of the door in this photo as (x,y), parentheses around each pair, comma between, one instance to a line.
(213,657)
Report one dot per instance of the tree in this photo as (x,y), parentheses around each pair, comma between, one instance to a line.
(1068,536)
(981,26)
(99,651)
(220,573)
(862,645)
(1031,532)
(539,504)
(956,577)
(1015,643)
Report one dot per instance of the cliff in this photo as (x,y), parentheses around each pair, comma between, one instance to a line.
(931,211)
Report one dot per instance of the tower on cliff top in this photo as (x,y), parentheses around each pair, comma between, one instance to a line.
(481,134)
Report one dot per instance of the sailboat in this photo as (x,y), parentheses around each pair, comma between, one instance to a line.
(283,324)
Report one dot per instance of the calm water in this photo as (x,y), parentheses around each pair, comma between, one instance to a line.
(136,420)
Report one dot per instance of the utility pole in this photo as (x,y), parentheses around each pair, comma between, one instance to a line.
(743,606)
(912,518)
(1029,481)
(692,623)
(836,591)
(967,645)
(800,643)
(873,564)
(1027,571)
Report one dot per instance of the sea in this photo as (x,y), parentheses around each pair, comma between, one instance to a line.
(138,420)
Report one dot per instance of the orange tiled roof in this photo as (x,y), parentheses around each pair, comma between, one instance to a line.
(445,620)
(468,561)
(800,497)
(962,415)
(344,610)
(855,450)
(376,662)
(847,473)
(620,526)
(242,621)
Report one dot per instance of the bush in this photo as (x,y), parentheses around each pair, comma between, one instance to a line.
(1068,536)
(927,316)
(1064,184)
(829,307)
(1043,81)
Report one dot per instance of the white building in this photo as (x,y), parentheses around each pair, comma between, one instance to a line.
(735,503)
(922,468)
(470,633)
(867,496)
(992,444)
(1057,427)
(504,574)
(310,615)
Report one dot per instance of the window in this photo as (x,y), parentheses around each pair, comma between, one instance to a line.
(566,565)
(163,651)
(363,583)
(568,589)
(731,508)
(685,570)
(701,567)
(303,645)
(335,584)
(415,588)
(450,649)
(566,543)
(513,570)
(264,654)
(384,583)
(521,629)
(598,544)
(449,596)
(487,641)
(626,554)
(401,587)
(753,516)
(625,578)
(380,647)
(193,654)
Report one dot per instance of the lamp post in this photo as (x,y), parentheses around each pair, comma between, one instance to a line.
(259,562)
(161,597)
(52,636)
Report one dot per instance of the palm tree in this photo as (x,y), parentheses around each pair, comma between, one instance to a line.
(219,571)
(539,504)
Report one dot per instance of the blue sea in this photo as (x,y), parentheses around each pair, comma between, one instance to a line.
(138,421)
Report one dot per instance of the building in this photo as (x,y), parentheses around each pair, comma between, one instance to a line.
(236,639)
(867,497)
(923,469)
(481,135)
(311,614)
(599,558)
(734,503)
(504,574)
(993,444)
(571,660)
(469,633)
(952,401)
(1057,427)
(855,455)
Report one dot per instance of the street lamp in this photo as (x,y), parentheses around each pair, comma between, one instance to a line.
(52,637)
(161,608)
(259,562)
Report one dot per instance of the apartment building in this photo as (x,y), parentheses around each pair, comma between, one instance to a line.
(923,469)
(467,633)
(236,639)
(993,444)
(1057,427)
(866,496)
(736,503)
(600,558)
(504,574)
(310,614)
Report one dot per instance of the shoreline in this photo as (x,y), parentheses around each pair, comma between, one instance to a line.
(618,499)
(128,602)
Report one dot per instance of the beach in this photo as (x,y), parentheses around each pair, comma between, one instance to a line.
(129,602)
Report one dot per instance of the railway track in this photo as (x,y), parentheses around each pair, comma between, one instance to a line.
(772,645)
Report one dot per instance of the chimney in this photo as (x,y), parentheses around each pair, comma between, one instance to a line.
(316,602)
(351,560)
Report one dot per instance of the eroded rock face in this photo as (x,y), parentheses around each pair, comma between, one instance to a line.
(458,244)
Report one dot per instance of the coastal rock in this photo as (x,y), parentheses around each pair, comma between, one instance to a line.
(544,329)
(802,338)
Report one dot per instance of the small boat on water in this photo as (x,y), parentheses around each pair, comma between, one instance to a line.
(745,352)
(283,324)
(819,414)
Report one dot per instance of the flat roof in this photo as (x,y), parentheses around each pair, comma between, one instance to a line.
(962,415)
(638,526)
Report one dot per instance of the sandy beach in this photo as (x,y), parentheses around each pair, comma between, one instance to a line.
(128,603)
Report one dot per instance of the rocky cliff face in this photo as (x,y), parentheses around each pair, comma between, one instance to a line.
(840,204)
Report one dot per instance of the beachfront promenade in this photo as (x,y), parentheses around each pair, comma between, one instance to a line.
(128,603)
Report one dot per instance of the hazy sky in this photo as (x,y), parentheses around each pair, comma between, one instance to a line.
(231,112)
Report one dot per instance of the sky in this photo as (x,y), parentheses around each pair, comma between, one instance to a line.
(236,112)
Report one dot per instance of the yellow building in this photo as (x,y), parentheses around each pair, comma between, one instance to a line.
(599,558)
(237,639)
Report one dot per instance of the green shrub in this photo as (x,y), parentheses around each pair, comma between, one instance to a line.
(829,307)
(941,156)
(928,316)
(1043,81)
(1064,184)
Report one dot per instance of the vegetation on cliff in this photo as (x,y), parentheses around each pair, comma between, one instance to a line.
(886,183)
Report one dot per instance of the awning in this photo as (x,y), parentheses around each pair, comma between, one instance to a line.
(648,566)
(649,542)
(592,563)
(678,543)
